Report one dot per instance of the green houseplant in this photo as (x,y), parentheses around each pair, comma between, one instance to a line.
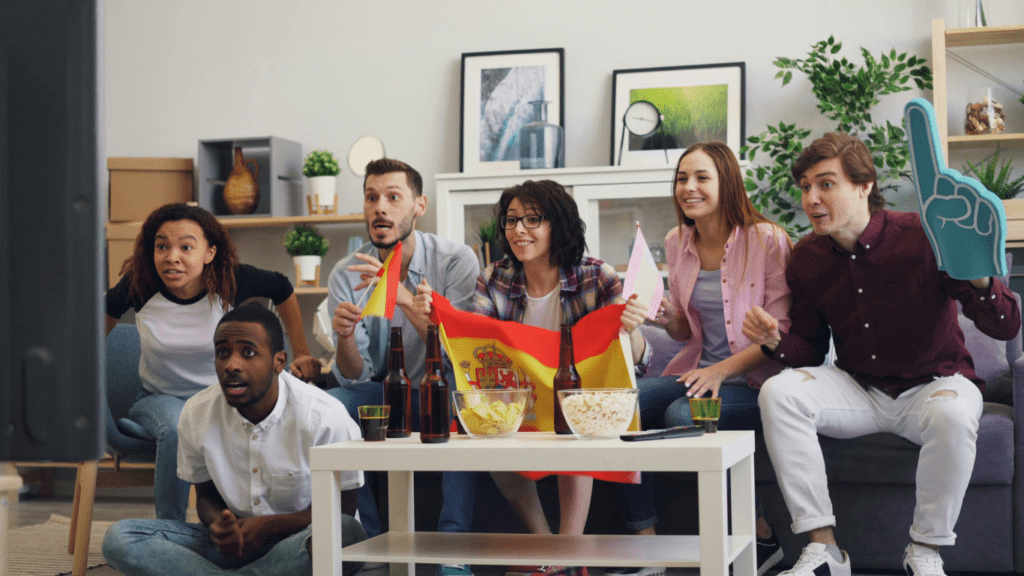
(490,248)
(321,169)
(995,177)
(307,246)
(846,94)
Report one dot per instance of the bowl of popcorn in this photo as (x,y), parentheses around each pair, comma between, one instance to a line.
(491,413)
(598,412)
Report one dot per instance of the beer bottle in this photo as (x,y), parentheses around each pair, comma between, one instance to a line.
(398,389)
(566,378)
(435,411)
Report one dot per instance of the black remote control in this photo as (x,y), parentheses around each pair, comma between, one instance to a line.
(677,432)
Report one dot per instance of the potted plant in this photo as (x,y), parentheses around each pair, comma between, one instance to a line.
(995,177)
(490,249)
(307,247)
(321,169)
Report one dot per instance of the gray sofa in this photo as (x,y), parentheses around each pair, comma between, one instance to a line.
(871,479)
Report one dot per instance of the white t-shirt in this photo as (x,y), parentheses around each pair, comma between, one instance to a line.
(262,469)
(544,312)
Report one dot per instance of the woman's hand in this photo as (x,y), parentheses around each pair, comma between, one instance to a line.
(673,320)
(634,313)
(698,382)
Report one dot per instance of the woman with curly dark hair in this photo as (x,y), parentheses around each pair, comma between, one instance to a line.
(182,277)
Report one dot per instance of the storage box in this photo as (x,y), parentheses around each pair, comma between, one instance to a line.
(120,245)
(140,185)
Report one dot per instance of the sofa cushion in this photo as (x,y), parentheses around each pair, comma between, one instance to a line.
(889,459)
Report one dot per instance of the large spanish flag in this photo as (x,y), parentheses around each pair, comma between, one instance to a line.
(489,353)
(385,294)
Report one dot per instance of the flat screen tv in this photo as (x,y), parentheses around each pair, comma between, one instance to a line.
(51,214)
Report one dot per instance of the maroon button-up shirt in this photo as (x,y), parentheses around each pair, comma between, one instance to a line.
(889,309)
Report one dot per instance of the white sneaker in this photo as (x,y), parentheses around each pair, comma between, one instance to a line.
(922,561)
(815,560)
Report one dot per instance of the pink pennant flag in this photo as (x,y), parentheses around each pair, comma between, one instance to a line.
(643,277)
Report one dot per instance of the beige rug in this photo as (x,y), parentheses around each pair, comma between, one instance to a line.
(42,549)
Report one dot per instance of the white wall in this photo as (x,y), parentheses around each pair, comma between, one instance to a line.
(325,72)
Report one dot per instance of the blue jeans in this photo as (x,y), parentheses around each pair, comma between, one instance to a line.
(458,489)
(159,547)
(158,414)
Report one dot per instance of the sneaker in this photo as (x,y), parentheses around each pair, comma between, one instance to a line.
(561,571)
(922,561)
(769,553)
(636,571)
(454,570)
(815,560)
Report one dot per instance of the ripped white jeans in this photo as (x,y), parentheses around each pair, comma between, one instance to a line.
(797,405)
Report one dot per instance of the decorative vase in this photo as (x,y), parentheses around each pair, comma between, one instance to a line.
(540,143)
(307,270)
(241,191)
(322,194)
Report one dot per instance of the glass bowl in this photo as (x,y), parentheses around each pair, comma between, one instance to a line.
(491,413)
(598,412)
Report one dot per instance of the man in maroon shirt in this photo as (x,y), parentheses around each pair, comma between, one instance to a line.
(868,278)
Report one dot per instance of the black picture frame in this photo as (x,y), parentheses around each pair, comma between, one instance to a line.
(483,145)
(667,86)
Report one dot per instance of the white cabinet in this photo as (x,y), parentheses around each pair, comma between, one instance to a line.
(611,200)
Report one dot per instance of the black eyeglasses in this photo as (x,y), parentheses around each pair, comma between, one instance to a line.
(529,221)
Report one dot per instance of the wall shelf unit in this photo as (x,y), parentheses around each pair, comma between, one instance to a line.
(259,222)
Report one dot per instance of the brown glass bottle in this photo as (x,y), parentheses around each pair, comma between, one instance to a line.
(435,405)
(566,378)
(398,389)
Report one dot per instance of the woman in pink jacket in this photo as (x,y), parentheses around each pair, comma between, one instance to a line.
(724,258)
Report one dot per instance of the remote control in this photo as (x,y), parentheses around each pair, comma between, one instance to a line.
(677,432)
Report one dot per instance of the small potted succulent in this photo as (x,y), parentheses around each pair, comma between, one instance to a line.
(307,247)
(321,169)
(490,248)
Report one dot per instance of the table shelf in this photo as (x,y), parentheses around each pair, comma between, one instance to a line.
(535,549)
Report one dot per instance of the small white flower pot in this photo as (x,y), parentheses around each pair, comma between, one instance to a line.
(322,193)
(307,270)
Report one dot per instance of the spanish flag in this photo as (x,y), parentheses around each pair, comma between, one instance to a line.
(382,300)
(489,353)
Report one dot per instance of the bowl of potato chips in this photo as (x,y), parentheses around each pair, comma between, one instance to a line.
(491,413)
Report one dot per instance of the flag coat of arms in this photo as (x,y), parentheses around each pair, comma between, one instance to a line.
(385,294)
(490,353)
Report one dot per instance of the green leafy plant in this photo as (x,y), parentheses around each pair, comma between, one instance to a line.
(305,240)
(488,231)
(846,94)
(321,163)
(996,177)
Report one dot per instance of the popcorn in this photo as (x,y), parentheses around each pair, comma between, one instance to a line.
(599,413)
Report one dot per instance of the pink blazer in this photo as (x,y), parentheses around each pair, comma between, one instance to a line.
(753,274)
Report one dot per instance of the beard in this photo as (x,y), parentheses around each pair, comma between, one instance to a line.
(404,230)
(252,400)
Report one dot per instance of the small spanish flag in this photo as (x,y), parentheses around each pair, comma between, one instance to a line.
(382,300)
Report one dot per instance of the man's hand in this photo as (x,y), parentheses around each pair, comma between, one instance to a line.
(346,316)
(761,328)
(367,271)
(226,533)
(423,302)
(965,223)
(306,368)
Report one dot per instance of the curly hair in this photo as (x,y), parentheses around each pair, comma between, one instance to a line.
(218,275)
(549,198)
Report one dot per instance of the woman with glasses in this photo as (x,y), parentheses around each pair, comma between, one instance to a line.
(545,280)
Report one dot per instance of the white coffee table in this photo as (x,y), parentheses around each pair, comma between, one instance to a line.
(710,456)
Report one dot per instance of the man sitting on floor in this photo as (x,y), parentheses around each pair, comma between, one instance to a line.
(238,445)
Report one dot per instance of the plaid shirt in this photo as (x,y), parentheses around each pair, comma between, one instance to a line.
(590,286)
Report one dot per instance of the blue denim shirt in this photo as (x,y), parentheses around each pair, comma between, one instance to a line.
(450,269)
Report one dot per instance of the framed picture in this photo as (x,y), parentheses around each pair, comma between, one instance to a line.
(497,88)
(696,104)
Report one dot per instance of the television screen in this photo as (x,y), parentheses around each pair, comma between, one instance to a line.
(51,214)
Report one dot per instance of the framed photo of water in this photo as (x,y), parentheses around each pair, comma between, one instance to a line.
(497,91)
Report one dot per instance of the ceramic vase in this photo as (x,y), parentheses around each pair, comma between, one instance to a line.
(241,191)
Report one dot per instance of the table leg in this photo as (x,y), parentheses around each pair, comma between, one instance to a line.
(742,499)
(327,523)
(714,544)
(401,512)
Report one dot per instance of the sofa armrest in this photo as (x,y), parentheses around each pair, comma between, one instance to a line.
(1018,464)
